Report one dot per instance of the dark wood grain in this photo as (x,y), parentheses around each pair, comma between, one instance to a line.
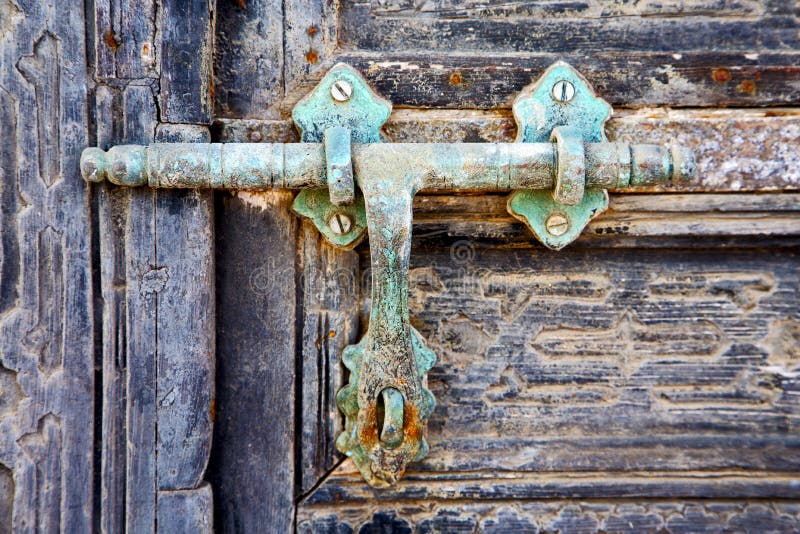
(480,54)
(252,465)
(186,57)
(47,367)
(331,283)
(157,280)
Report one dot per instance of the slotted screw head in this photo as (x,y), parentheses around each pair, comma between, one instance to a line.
(563,91)
(340,223)
(341,90)
(557,224)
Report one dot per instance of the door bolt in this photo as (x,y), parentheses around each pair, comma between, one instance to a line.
(563,91)
(557,224)
(340,223)
(341,90)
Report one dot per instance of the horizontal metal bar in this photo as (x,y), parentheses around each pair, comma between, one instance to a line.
(441,167)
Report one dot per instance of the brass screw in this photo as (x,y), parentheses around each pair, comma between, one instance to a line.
(557,224)
(341,90)
(340,223)
(563,91)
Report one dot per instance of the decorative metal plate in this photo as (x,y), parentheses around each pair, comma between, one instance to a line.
(560,97)
(342,98)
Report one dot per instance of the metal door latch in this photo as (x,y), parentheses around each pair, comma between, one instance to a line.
(350,183)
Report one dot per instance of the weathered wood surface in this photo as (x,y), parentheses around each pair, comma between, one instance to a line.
(464,54)
(252,465)
(632,374)
(156,275)
(330,294)
(736,150)
(47,374)
(186,511)
(563,517)
(187,38)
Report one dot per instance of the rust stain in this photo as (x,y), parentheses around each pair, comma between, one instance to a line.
(312,56)
(455,78)
(412,428)
(721,75)
(241,4)
(312,30)
(110,40)
(212,409)
(332,334)
(748,86)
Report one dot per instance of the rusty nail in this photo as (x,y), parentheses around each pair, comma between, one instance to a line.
(340,223)
(563,91)
(341,90)
(255,136)
(557,224)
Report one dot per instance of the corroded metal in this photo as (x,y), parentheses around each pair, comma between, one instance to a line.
(445,167)
(341,100)
(339,169)
(392,355)
(543,112)
(349,183)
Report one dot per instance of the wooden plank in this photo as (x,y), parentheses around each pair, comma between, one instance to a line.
(562,515)
(186,327)
(736,150)
(249,58)
(589,28)
(186,511)
(46,327)
(629,215)
(143,282)
(111,212)
(344,486)
(253,475)
(310,39)
(186,58)
(330,289)
(630,375)
(134,38)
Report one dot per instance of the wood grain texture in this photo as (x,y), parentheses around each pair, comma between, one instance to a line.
(186,327)
(249,57)
(736,150)
(252,466)
(584,362)
(465,54)
(186,58)
(157,280)
(186,511)
(569,516)
(331,283)
(46,325)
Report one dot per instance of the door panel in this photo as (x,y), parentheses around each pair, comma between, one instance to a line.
(640,380)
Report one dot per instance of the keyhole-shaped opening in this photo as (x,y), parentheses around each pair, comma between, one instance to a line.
(389,417)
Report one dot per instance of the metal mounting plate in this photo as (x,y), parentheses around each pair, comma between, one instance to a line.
(342,98)
(560,97)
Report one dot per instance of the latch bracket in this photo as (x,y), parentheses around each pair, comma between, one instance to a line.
(350,183)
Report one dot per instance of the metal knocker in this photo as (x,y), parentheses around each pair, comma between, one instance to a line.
(351,184)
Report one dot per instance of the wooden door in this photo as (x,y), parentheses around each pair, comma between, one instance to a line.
(169,359)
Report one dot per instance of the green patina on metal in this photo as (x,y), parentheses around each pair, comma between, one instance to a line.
(541,213)
(560,169)
(350,442)
(330,218)
(560,98)
(341,99)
